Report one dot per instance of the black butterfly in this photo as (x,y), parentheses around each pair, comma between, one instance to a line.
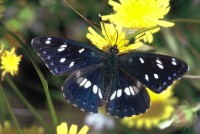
(98,77)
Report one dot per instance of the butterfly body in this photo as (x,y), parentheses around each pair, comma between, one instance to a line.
(110,68)
(97,77)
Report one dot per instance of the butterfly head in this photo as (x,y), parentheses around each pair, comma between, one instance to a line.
(114,49)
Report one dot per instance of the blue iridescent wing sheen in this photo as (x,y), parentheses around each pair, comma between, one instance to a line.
(63,56)
(155,71)
(83,88)
(128,96)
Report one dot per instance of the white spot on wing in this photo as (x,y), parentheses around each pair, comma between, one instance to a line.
(158,61)
(141,60)
(100,94)
(95,89)
(160,66)
(83,82)
(164,83)
(81,50)
(135,89)
(131,89)
(174,63)
(63,94)
(44,52)
(62,60)
(61,49)
(75,105)
(169,78)
(127,91)
(130,60)
(119,93)
(113,96)
(56,70)
(63,46)
(173,59)
(146,77)
(47,42)
(155,76)
(48,57)
(79,79)
(71,64)
(87,84)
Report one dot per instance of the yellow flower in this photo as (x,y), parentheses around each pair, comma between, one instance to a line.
(9,62)
(139,13)
(6,128)
(111,35)
(146,36)
(63,129)
(143,35)
(162,108)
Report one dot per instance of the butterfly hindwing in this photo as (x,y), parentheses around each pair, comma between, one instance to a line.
(62,56)
(128,96)
(155,71)
(83,88)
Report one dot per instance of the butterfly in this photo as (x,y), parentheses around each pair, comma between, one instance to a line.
(98,77)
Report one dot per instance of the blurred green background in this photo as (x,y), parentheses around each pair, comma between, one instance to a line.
(32,18)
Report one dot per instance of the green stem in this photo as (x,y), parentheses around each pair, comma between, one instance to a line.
(26,103)
(3,107)
(194,51)
(192,77)
(43,81)
(171,41)
(10,110)
(186,20)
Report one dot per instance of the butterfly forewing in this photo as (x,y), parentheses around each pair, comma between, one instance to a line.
(128,96)
(83,88)
(155,71)
(62,56)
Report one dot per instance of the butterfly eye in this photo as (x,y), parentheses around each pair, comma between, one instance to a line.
(114,49)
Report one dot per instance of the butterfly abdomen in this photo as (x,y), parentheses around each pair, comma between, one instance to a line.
(111,65)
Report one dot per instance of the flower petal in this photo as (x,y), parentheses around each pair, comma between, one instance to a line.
(73,129)
(84,130)
(62,128)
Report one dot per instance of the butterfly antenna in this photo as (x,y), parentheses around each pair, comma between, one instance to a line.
(87,20)
(117,35)
(117,38)
(104,29)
